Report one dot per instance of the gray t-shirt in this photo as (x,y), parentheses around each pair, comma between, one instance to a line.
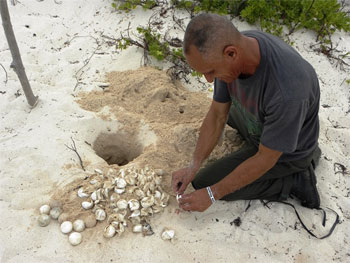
(280,102)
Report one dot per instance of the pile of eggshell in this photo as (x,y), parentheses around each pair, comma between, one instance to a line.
(121,198)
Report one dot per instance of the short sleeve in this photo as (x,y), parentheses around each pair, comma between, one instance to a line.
(221,93)
(282,125)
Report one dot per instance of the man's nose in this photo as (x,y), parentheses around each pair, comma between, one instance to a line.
(209,78)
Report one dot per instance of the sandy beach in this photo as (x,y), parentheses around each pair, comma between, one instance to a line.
(67,58)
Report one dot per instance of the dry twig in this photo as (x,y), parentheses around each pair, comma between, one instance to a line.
(74,149)
(5,72)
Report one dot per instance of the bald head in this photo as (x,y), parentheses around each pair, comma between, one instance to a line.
(210,32)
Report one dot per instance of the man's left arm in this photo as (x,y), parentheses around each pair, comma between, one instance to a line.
(247,172)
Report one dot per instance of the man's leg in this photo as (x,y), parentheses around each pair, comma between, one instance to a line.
(276,184)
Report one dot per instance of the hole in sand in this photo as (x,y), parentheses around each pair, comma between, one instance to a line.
(117,148)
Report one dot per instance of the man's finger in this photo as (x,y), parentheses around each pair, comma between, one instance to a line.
(185,199)
(186,207)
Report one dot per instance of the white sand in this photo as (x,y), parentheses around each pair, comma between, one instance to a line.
(33,155)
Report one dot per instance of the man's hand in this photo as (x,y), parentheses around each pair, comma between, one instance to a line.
(197,201)
(181,178)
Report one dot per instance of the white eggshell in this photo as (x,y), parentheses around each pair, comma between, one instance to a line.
(45,209)
(168,234)
(121,183)
(122,204)
(81,193)
(109,231)
(87,205)
(78,225)
(133,204)
(100,214)
(75,238)
(137,228)
(66,227)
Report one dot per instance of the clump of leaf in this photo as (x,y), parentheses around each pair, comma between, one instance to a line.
(127,5)
(154,45)
(323,17)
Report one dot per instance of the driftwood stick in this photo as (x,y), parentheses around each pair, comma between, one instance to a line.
(74,149)
(16,64)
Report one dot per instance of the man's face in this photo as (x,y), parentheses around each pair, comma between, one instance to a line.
(223,66)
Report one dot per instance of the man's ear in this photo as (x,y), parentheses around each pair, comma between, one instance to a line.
(230,52)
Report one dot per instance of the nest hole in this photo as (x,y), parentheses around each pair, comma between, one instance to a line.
(117,148)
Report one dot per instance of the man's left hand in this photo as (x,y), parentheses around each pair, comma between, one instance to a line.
(197,201)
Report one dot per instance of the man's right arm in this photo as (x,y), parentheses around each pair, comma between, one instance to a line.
(209,135)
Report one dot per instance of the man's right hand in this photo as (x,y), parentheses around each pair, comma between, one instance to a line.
(181,178)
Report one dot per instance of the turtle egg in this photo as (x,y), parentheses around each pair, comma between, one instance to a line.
(109,231)
(90,220)
(63,217)
(87,205)
(45,209)
(100,214)
(66,227)
(55,212)
(78,225)
(44,220)
(75,238)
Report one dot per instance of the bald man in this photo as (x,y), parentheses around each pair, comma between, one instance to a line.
(270,94)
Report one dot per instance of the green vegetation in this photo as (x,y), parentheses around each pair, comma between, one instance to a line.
(278,17)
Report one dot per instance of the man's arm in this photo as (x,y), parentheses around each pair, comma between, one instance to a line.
(209,135)
(210,131)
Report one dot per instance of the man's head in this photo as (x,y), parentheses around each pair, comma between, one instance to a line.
(212,47)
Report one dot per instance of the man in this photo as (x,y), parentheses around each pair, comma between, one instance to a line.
(270,94)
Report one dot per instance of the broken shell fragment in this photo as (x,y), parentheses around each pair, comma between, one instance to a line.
(100,214)
(168,234)
(44,220)
(78,225)
(146,211)
(159,172)
(109,231)
(75,238)
(147,201)
(66,227)
(45,209)
(119,190)
(55,212)
(137,228)
(135,213)
(130,180)
(133,204)
(98,171)
(87,205)
(147,229)
(139,193)
(94,196)
(122,204)
(81,193)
